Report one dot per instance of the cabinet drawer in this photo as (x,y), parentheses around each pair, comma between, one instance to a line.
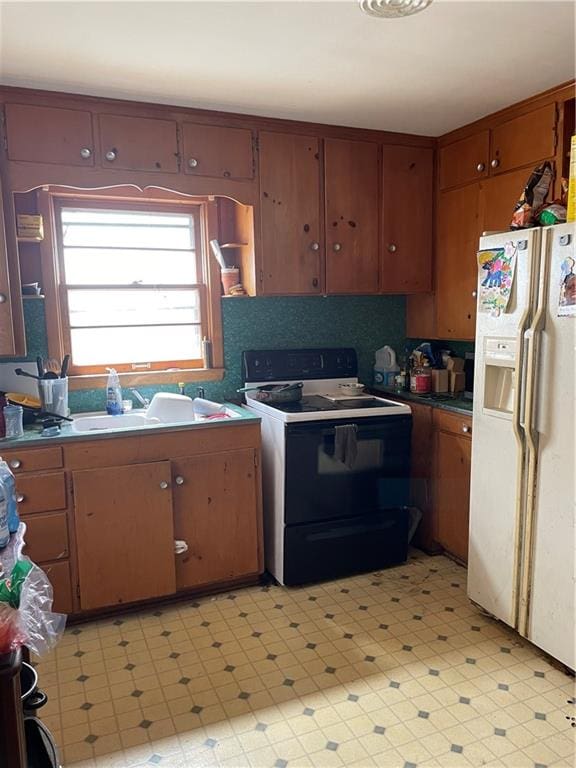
(138,143)
(218,151)
(41,493)
(452,422)
(465,160)
(59,576)
(33,460)
(47,537)
(524,140)
(49,135)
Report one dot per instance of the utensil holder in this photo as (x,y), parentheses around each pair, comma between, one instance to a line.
(54,396)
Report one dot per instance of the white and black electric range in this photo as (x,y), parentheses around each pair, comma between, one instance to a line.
(335,468)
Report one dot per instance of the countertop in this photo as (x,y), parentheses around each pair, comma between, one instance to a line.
(32,434)
(445,400)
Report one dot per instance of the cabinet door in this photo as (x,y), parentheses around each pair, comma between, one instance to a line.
(498,195)
(465,160)
(456,268)
(421,316)
(216,514)
(291,213)
(124,534)
(59,577)
(213,150)
(7,337)
(421,474)
(138,143)
(407,200)
(352,213)
(49,135)
(524,140)
(452,492)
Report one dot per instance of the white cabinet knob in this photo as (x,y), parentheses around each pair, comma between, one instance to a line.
(465,429)
(19,498)
(495,163)
(15,463)
(192,162)
(337,247)
(480,167)
(3,298)
(111,155)
(163,485)
(474,294)
(392,248)
(85,153)
(315,246)
(179,480)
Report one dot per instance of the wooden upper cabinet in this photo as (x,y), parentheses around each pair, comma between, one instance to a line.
(216,513)
(524,140)
(290,207)
(49,135)
(138,143)
(407,205)
(352,216)
(464,160)
(458,232)
(498,196)
(124,534)
(7,337)
(218,151)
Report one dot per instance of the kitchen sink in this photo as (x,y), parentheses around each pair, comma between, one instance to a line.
(96,423)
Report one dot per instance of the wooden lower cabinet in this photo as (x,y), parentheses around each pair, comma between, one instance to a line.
(124,534)
(60,578)
(215,500)
(452,465)
(421,475)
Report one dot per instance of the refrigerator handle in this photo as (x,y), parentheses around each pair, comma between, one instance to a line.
(526,338)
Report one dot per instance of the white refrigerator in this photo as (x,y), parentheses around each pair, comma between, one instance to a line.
(523,484)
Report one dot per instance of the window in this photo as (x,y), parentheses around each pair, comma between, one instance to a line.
(132,284)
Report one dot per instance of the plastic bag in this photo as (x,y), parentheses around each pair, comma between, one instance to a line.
(533,197)
(26,616)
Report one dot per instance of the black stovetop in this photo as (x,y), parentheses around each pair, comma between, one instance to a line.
(311,403)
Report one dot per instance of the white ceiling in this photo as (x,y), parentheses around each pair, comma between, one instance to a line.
(321,61)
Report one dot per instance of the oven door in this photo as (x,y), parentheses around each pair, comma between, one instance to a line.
(373,477)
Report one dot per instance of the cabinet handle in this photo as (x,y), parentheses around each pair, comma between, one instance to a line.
(315,282)
(3,298)
(315,246)
(466,429)
(163,484)
(19,498)
(392,248)
(192,162)
(85,153)
(111,155)
(495,163)
(481,167)
(337,247)
(15,463)
(179,480)
(474,294)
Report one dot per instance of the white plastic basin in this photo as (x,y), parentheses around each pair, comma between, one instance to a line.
(96,423)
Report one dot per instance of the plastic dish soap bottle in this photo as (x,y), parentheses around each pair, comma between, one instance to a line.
(113,393)
(8,494)
(385,367)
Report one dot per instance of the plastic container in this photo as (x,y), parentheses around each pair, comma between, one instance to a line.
(230,277)
(54,396)
(385,366)
(8,492)
(421,380)
(113,393)
(13,415)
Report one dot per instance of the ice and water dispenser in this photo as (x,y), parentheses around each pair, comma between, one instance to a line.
(499,374)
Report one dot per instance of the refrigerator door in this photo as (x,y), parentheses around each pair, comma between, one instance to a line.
(498,450)
(547,615)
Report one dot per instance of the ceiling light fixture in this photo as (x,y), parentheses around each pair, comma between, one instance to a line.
(393,9)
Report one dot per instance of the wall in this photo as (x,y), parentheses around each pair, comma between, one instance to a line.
(363,322)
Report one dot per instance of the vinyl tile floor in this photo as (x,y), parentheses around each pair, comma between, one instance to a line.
(394,669)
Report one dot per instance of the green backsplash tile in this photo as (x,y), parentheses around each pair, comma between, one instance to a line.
(363,322)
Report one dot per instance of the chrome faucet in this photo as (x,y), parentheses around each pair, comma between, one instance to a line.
(144,402)
(200,392)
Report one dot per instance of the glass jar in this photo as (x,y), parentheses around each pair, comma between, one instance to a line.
(13,421)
